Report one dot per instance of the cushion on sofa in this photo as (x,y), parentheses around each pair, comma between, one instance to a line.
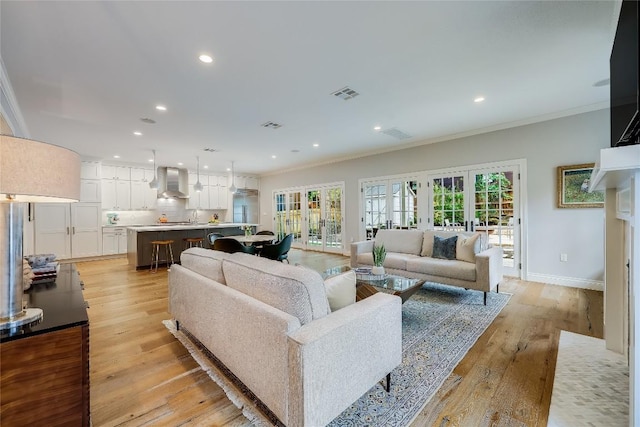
(443,267)
(341,290)
(294,290)
(468,247)
(427,243)
(444,248)
(402,241)
(205,262)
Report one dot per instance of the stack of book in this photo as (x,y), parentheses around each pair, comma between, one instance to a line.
(44,267)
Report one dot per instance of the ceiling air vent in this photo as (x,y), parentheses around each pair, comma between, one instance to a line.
(396,133)
(210,150)
(271,125)
(147,120)
(346,93)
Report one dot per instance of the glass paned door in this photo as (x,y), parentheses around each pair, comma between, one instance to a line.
(288,217)
(495,213)
(389,204)
(375,207)
(325,213)
(448,202)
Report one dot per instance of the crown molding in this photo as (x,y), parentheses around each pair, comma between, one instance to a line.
(9,105)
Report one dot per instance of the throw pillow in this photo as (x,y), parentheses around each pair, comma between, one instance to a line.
(341,290)
(444,248)
(468,247)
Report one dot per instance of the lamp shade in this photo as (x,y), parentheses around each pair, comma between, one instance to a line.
(32,171)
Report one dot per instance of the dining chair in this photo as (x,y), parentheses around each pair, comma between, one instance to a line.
(278,251)
(231,245)
(211,237)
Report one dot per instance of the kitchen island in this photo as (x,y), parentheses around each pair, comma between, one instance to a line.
(139,238)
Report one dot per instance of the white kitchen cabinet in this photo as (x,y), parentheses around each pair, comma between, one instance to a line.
(90,190)
(90,170)
(141,174)
(116,194)
(218,197)
(143,197)
(199,200)
(116,172)
(193,178)
(114,241)
(248,182)
(69,230)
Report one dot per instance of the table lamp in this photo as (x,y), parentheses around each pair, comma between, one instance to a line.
(30,171)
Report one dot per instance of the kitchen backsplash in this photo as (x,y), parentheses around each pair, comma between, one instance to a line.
(174,209)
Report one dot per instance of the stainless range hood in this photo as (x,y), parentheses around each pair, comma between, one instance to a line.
(173,182)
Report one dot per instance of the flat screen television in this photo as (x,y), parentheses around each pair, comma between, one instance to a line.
(624,83)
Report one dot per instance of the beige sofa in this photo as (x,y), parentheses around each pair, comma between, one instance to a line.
(409,254)
(271,325)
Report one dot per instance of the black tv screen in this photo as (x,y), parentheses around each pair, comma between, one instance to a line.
(623,68)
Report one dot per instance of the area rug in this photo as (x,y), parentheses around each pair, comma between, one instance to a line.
(591,384)
(439,326)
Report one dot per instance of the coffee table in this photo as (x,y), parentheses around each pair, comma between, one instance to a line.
(369,284)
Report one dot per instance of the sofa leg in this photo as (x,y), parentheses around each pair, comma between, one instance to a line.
(177,325)
(485,298)
(388,382)
(498,288)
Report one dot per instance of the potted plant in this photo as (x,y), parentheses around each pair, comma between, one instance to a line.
(379,254)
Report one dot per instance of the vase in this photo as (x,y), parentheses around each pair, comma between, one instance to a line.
(247,232)
(378,271)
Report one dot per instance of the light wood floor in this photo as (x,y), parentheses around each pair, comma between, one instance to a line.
(140,375)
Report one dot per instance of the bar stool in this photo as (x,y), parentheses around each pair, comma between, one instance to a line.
(155,253)
(190,242)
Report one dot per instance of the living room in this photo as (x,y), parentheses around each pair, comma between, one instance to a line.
(560,251)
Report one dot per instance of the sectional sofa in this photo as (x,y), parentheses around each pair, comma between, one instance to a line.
(410,253)
(271,325)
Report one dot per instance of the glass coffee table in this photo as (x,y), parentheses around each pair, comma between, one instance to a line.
(368,284)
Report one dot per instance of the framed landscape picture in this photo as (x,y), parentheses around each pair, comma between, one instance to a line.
(573,187)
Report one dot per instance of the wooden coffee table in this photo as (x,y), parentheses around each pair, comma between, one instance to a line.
(369,284)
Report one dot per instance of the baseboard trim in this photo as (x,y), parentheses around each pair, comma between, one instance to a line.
(572,282)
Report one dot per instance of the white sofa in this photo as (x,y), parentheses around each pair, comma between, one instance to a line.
(270,324)
(409,254)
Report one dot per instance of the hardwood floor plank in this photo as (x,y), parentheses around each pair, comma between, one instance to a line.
(141,375)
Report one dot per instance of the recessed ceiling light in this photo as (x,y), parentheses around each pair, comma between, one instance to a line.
(273,156)
(478,99)
(377,128)
(206,167)
(228,169)
(116,156)
(161,108)
(316,145)
(150,160)
(137,133)
(206,59)
(180,163)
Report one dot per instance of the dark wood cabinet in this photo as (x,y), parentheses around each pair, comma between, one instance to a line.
(44,369)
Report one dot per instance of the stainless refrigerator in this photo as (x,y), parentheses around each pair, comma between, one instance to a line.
(246,206)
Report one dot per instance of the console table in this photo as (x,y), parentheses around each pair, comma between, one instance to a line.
(44,368)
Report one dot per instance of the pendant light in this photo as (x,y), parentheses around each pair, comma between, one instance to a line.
(198,185)
(154,184)
(232,189)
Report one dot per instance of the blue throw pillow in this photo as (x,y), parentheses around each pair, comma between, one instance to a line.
(444,248)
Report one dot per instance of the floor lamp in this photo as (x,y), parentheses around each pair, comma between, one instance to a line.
(30,171)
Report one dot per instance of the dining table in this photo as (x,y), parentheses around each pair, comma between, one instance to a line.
(254,238)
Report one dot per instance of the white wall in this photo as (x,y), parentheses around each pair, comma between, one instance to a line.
(545,145)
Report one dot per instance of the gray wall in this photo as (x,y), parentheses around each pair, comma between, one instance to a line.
(545,145)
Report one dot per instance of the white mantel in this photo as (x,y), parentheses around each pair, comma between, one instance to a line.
(618,173)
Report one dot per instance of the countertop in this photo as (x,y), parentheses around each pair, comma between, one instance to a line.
(170,227)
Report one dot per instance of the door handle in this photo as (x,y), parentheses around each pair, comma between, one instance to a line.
(73,230)
(67,231)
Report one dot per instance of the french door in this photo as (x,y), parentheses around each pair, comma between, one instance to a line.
(325,216)
(314,215)
(289,215)
(391,203)
(483,200)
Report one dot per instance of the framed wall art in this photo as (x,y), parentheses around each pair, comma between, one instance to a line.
(573,187)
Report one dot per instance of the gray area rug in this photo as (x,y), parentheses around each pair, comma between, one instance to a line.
(439,326)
